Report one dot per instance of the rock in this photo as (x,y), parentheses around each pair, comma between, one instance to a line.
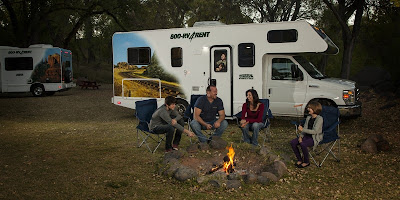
(376,137)
(233,176)
(171,170)
(383,145)
(204,146)
(250,178)
(185,173)
(263,180)
(215,183)
(278,168)
(193,148)
(218,143)
(369,146)
(173,154)
(265,151)
(270,176)
(233,184)
(272,158)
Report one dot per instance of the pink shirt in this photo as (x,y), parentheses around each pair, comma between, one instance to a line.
(253,116)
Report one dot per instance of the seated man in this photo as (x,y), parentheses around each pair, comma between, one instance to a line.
(205,112)
(165,120)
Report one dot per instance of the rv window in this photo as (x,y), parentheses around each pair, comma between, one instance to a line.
(282,36)
(139,56)
(176,57)
(246,55)
(282,69)
(21,63)
(220,57)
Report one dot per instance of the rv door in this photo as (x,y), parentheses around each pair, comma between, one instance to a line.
(287,86)
(221,75)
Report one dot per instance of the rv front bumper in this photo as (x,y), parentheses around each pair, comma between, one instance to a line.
(350,111)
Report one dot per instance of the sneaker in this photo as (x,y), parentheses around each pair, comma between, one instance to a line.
(168,150)
(175,147)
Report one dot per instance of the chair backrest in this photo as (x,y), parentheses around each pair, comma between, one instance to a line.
(190,109)
(144,112)
(331,121)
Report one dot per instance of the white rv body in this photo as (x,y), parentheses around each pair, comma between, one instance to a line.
(262,56)
(40,69)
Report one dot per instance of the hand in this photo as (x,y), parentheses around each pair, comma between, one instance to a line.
(244,124)
(189,133)
(300,139)
(217,124)
(300,128)
(209,126)
(173,122)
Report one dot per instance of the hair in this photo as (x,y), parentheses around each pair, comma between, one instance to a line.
(256,99)
(170,100)
(315,106)
(209,88)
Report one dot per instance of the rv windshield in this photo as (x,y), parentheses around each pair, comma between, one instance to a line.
(309,67)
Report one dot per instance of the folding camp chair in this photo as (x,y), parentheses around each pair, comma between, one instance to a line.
(267,115)
(188,115)
(330,128)
(144,111)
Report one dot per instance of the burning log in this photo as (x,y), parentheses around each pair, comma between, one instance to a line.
(228,164)
(216,168)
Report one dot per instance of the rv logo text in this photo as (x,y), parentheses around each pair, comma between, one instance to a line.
(189,36)
(19,52)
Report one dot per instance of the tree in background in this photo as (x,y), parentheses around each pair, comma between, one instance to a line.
(343,10)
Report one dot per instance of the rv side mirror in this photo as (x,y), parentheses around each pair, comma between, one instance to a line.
(296,73)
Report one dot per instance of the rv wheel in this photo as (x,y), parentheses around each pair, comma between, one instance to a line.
(181,106)
(38,90)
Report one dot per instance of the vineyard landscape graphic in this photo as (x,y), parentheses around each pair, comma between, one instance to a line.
(140,88)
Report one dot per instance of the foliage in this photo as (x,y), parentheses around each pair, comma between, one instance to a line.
(154,70)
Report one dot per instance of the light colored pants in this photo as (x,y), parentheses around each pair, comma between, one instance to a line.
(197,127)
(255,127)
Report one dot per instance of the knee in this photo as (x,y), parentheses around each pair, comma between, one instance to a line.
(294,142)
(170,130)
(224,124)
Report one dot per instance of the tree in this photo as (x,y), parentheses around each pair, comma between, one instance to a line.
(278,10)
(343,10)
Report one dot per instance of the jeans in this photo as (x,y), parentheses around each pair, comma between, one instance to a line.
(197,127)
(169,130)
(307,142)
(255,127)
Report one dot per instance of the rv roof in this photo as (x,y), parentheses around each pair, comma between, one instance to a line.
(41,46)
(208,23)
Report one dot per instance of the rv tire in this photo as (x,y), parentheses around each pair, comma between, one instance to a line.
(37,90)
(181,106)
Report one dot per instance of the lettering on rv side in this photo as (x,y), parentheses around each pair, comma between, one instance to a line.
(189,36)
(19,52)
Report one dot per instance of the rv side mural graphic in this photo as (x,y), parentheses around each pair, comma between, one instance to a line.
(154,70)
(49,69)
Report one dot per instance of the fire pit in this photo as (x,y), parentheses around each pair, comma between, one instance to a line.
(219,168)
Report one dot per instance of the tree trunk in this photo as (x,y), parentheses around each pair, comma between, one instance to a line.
(347,57)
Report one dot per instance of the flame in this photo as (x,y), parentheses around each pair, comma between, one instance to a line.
(228,166)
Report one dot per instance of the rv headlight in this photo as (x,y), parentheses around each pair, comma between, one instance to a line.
(349,97)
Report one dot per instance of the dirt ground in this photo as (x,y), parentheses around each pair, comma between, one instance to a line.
(78,145)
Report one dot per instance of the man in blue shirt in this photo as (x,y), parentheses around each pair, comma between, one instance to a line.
(205,113)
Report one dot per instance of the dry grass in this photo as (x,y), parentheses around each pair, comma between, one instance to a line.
(78,145)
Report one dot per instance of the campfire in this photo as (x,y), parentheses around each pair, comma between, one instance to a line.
(228,165)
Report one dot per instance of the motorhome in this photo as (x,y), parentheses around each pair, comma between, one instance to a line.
(264,56)
(41,69)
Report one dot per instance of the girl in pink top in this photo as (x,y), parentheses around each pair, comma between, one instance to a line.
(252,114)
